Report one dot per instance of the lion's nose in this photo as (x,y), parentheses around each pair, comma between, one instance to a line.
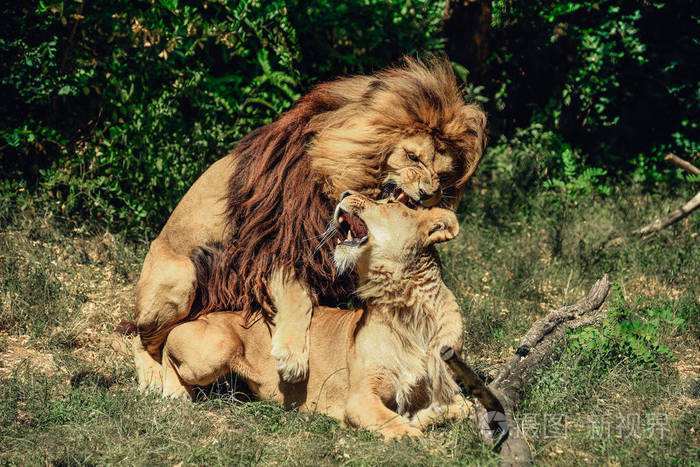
(426,195)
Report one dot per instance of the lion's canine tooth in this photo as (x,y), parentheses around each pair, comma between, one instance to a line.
(349,237)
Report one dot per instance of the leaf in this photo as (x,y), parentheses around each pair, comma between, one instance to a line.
(169,4)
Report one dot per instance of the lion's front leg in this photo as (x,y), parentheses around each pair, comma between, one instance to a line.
(290,340)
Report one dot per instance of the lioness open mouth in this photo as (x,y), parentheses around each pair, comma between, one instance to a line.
(352,230)
(394,193)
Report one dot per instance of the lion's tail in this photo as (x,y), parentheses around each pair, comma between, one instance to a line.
(205,259)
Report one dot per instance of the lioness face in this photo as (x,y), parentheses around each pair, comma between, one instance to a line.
(419,170)
(373,232)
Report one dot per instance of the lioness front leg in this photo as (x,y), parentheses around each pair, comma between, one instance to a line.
(449,333)
(459,409)
(290,340)
(365,409)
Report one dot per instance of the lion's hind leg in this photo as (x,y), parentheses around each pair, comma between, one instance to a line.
(164,295)
(198,353)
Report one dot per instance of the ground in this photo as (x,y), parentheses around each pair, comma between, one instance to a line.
(625,392)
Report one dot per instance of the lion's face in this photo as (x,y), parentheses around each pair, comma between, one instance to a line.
(420,169)
(373,233)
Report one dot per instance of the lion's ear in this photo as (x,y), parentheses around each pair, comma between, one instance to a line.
(440,226)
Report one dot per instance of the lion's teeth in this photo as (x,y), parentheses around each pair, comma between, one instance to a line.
(402,196)
(349,237)
(341,219)
(337,241)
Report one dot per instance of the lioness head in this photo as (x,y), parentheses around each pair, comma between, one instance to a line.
(385,231)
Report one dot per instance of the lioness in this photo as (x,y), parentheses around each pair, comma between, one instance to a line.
(377,368)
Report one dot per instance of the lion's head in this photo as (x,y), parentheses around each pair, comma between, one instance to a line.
(404,132)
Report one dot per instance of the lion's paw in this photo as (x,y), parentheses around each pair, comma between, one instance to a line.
(291,366)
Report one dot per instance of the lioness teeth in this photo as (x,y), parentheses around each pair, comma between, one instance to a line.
(349,237)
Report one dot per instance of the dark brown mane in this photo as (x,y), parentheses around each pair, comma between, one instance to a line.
(276,213)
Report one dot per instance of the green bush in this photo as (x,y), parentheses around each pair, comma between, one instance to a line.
(532,160)
(619,80)
(110,110)
(628,335)
(113,108)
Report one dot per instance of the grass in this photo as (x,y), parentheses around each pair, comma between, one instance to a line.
(625,392)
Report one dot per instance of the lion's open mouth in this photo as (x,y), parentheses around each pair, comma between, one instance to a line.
(352,230)
(394,193)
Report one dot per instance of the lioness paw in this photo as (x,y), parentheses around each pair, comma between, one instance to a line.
(400,431)
(148,371)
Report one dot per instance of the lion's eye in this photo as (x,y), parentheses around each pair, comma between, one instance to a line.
(412,156)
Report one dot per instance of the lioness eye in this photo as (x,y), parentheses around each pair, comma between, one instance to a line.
(412,156)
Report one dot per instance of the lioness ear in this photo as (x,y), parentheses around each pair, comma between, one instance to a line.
(441,226)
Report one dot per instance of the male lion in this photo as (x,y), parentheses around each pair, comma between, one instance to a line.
(404,130)
(379,368)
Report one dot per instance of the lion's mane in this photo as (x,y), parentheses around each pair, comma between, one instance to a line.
(289,174)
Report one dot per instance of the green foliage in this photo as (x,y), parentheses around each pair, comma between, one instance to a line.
(338,37)
(607,75)
(534,158)
(112,110)
(627,335)
(577,180)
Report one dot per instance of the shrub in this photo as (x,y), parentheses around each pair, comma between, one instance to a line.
(113,109)
(628,335)
(607,75)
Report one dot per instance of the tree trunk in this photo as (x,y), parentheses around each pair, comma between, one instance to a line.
(467,28)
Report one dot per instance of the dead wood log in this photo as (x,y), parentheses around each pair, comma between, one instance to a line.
(537,348)
(682,163)
(663,222)
(680,213)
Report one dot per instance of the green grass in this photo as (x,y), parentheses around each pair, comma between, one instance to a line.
(68,392)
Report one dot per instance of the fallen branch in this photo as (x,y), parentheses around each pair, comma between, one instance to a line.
(661,223)
(680,213)
(682,163)
(675,216)
(537,348)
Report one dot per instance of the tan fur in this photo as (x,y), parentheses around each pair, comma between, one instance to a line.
(378,369)
(268,202)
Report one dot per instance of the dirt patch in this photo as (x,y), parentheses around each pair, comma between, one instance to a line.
(17,353)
